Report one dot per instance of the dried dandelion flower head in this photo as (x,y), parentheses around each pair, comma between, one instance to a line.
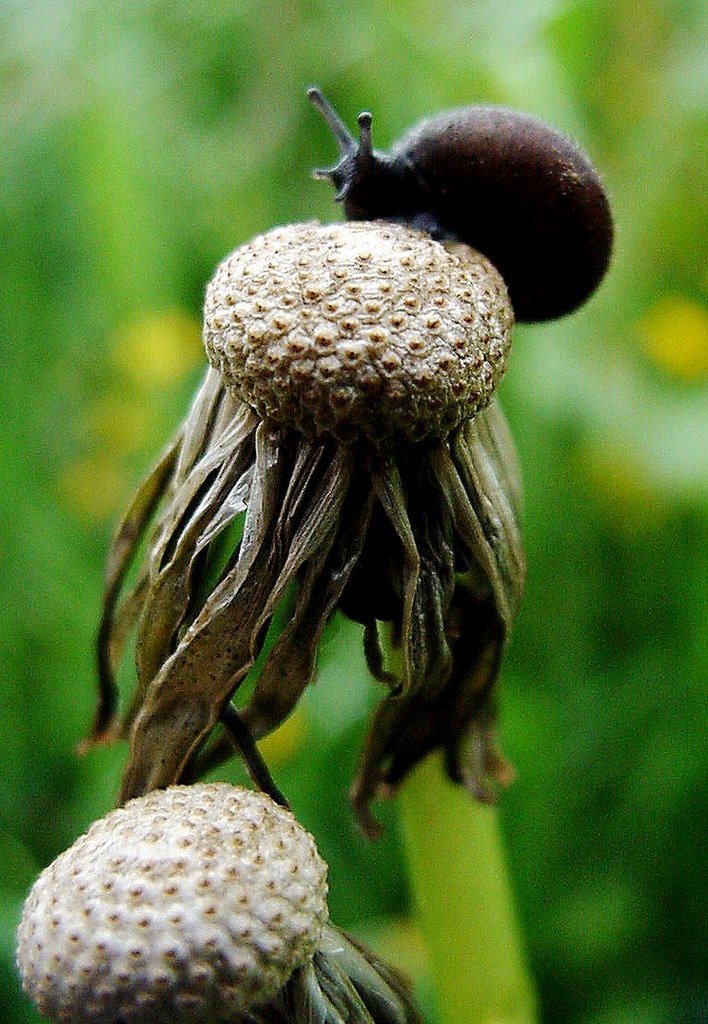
(368,332)
(195,904)
(349,422)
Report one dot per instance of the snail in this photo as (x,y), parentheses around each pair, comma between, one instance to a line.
(503,182)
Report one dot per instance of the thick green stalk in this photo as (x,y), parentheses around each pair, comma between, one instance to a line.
(464,902)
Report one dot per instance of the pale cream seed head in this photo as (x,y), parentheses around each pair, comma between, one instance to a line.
(362,330)
(190,904)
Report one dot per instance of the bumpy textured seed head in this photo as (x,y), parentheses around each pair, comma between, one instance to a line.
(363,330)
(189,904)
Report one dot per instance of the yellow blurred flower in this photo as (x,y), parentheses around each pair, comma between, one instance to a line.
(674,335)
(159,349)
(121,423)
(284,742)
(622,485)
(93,487)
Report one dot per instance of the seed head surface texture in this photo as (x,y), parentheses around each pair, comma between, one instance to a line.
(190,904)
(362,330)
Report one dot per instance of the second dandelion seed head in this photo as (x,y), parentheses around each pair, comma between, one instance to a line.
(192,905)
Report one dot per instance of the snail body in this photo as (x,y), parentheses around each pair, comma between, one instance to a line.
(503,182)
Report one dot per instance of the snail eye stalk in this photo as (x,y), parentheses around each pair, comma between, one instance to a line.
(356,159)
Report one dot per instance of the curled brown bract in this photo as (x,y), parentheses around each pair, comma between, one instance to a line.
(251,517)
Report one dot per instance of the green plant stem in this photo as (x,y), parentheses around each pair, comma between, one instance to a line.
(464,902)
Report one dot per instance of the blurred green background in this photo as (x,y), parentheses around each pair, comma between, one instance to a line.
(142,141)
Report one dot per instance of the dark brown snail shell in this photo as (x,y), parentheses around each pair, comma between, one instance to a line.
(503,182)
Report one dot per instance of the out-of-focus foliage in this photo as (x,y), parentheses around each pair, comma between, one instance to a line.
(142,141)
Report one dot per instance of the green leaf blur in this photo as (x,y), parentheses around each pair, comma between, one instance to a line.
(139,143)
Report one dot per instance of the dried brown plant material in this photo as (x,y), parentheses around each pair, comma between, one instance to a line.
(350,423)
